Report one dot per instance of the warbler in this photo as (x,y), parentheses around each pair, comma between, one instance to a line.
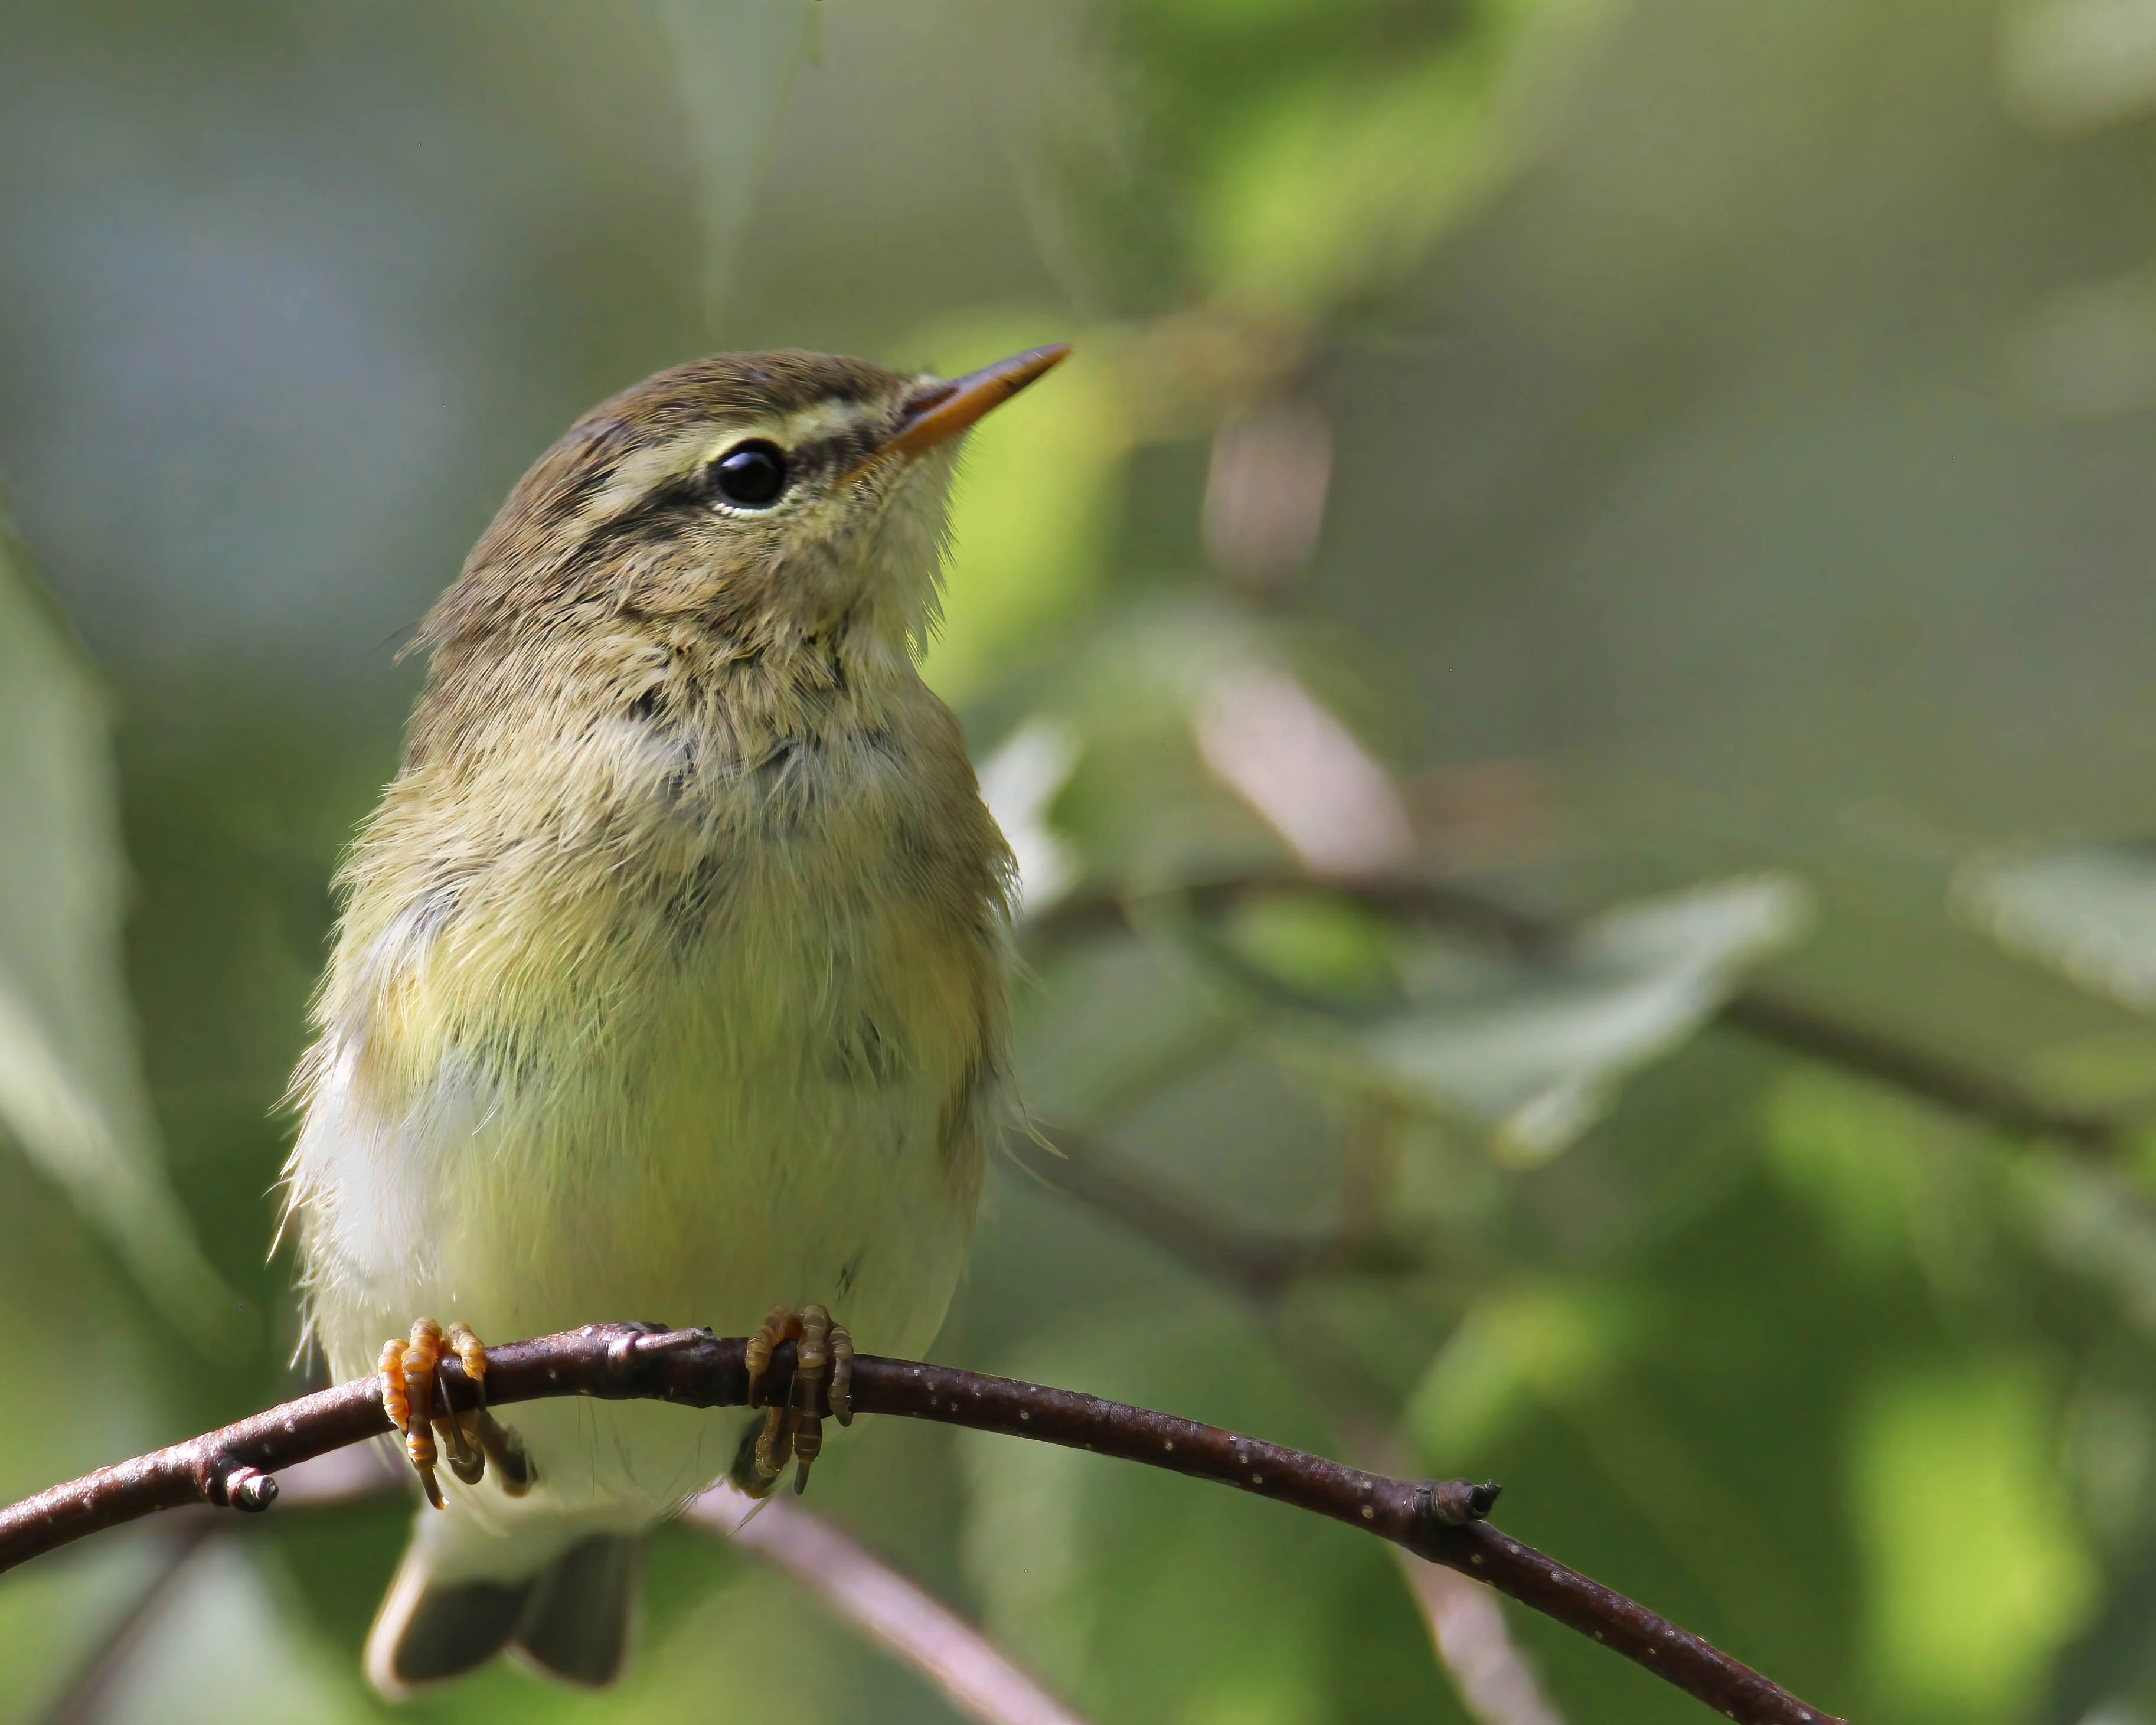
(668,982)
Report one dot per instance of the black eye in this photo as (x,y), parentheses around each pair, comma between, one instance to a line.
(751,475)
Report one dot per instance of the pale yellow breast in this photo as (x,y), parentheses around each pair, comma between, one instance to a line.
(674,1058)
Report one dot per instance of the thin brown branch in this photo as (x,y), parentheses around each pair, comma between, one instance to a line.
(1496,1684)
(884,1605)
(1773,1016)
(1257,1263)
(1766,1014)
(973,1675)
(235,1467)
(1495,1681)
(336,1477)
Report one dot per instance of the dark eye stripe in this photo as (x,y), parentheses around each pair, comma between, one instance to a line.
(689,495)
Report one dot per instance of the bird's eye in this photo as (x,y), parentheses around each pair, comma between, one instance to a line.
(751,475)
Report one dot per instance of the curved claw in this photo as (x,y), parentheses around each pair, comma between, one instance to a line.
(808,1375)
(794,1431)
(407,1396)
(841,1394)
(417,1401)
(778,1324)
(465,1462)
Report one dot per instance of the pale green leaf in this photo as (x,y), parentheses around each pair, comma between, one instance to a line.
(1336,187)
(1976,1573)
(2088,912)
(1533,1055)
(71,1093)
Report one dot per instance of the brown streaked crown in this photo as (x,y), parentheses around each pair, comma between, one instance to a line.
(528,560)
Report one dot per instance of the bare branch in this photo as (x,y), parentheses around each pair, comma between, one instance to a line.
(1258,1264)
(918,1630)
(1766,1014)
(1772,1016)
(1495,1683)
(884,1605)
(1441,1522)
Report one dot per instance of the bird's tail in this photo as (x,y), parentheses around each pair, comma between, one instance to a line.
(570,1619)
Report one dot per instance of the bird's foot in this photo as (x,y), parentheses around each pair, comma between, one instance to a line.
(823,1361)
(418,1405)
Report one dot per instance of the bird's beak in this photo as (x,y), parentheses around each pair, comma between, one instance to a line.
(937,411)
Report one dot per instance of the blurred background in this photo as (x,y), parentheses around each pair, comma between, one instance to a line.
(1568,665)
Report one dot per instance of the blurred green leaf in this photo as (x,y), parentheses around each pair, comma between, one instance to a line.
(1966,1608)
(1533,1055)
(71,1093)
(1148,1598)
(1148,802)
(52,1618)
(1316,944)
(1516,1351)
(1332,188)
(183,1671)
(1293,156)
(1019,782)
(2088,912)
(1033,508)
(2094,1224)
(1854,1154)
(2071,65)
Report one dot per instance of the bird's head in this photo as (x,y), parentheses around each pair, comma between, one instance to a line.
(745,501)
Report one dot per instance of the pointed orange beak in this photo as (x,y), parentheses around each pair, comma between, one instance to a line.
(938,411)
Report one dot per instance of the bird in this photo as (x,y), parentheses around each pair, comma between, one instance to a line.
(669,975)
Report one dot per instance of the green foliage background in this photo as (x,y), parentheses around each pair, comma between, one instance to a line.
(1738,537)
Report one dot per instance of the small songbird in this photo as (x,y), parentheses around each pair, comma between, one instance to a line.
(668,982)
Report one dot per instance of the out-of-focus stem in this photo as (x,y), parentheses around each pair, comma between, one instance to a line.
(916,1629)
(1764,1014)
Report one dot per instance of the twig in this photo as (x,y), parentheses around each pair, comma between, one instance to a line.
(338,1476)
(1259,1264)
(1768,1014)
(1495,1683)
(886,1606)
(915,1629)
(1442,1522)
(1774,1017)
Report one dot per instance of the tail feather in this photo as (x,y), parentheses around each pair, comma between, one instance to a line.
(429,1631)
(578,1627)
(570,1619)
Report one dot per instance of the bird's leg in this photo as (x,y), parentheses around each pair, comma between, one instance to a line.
(773,1445)
(417,1402)
(465,1462)
(841,1394)
(503,1446)
(824,1357)
(408,1397)
(812,1366)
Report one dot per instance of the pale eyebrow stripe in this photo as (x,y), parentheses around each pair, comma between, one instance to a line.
(639,476)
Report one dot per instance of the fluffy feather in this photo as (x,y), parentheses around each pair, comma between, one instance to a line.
(668,982)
